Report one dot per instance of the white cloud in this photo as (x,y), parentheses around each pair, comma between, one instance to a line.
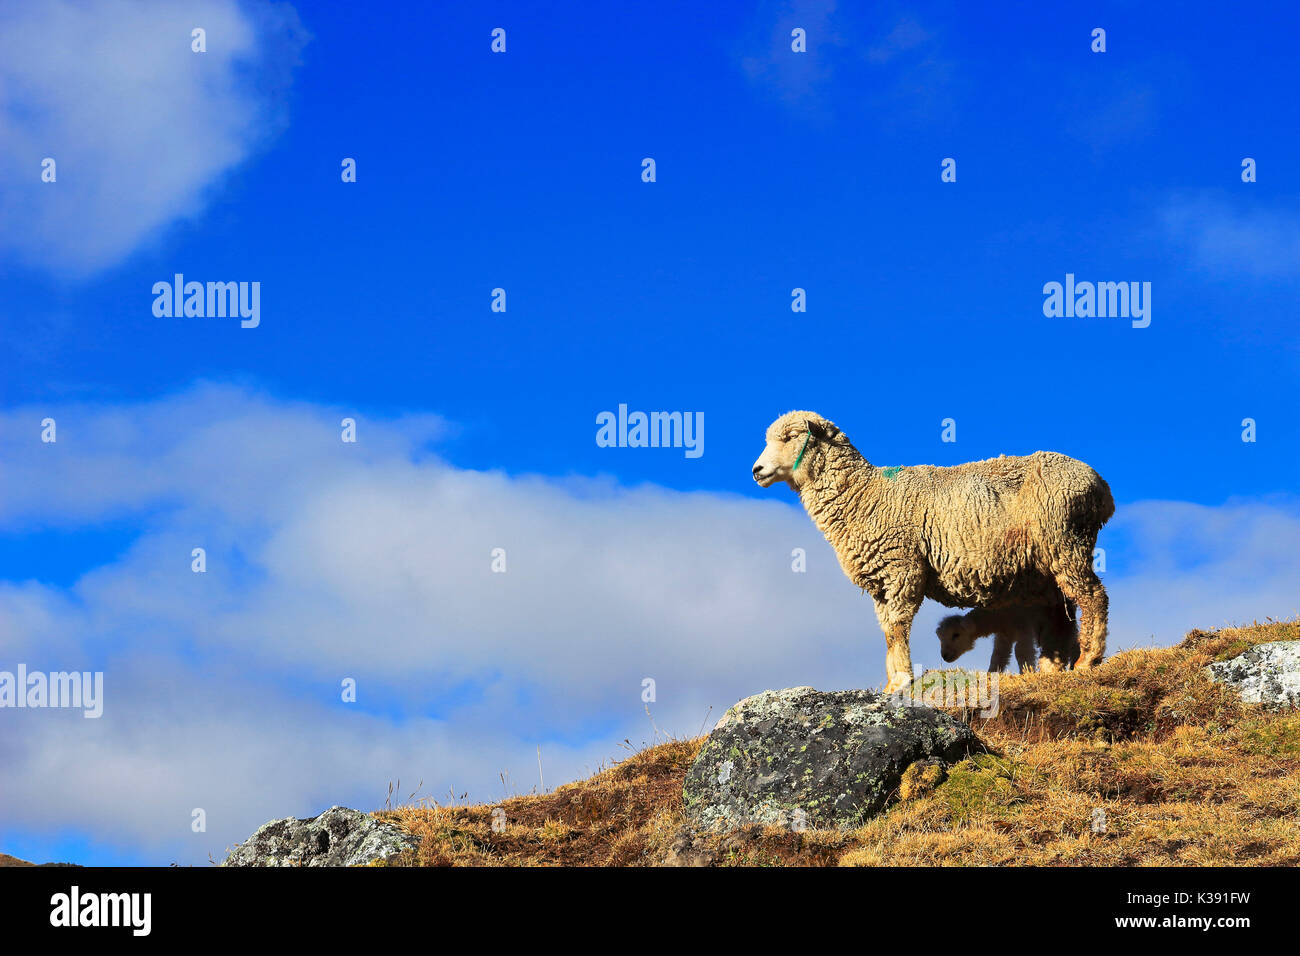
(372,561)
(139,125)
(768,59)
(1235,238)
(1191,565)
(894,67)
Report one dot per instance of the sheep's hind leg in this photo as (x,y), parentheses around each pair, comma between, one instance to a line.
(1085,589)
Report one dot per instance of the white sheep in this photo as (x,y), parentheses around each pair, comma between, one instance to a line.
(1004,532)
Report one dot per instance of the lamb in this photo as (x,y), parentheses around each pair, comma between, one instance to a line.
(1052,629)
(1009,531)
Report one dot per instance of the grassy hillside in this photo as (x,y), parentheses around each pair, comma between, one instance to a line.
(1183,771)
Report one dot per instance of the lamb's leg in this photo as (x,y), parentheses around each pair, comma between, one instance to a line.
(895,614)
(1026,650)
(1047,664)
(1058,639)
(1001,653)
(1071,638)
(1053,656)
(1082,586)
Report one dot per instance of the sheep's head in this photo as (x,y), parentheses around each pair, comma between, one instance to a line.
(790,443)
(956,637)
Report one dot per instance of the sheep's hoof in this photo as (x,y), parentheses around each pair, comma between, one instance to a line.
(897,682)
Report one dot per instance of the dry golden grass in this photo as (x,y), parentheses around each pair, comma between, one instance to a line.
(609,819)
(1184,773)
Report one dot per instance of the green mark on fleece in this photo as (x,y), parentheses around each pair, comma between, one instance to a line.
(891,472)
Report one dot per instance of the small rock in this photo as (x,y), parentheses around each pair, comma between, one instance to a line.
(1267,674)
(818,760)
(338,837)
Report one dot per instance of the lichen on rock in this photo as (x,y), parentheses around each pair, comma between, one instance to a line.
(338,837)
(803,758)
(1267,674)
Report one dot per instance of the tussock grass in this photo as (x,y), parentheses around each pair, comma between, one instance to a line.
(1181,771)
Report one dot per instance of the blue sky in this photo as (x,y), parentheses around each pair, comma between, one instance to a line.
(522,170)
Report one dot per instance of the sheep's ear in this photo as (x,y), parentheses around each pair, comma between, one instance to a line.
(822,430)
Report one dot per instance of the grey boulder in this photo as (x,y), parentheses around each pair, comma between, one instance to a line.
(338,837)
(1267,674)
(803,758)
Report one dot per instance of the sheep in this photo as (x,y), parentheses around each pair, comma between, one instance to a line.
(1003,532)
(1026,628)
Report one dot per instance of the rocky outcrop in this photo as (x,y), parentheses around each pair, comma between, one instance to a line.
(1267,674)
(338,837)
(802,758)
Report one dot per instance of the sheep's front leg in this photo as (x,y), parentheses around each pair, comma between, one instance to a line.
(895,616)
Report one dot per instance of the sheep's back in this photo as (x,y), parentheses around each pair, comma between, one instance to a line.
(986,528)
